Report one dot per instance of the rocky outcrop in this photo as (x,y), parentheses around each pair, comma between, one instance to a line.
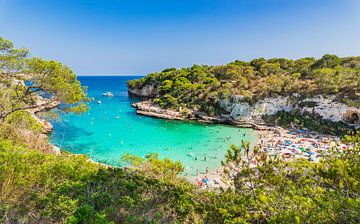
(325,108)
(241,113)
(328,109)
(237,110)
(146,91)
(43,104)
(149,109)
(241,110)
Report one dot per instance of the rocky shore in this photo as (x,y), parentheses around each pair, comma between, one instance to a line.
(237,111)
(150,109)
(291,143)
(41,105)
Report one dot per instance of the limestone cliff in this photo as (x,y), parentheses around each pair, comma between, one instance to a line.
(236,109)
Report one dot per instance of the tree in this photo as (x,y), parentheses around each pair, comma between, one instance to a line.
(327,61)
(11,59)
(166,86)
(25,77)
(327,80)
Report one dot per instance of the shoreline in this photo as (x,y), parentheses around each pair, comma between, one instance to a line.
(291,143)
(216,175)
(277,143)
(147,108)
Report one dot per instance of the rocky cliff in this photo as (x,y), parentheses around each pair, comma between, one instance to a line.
(237,110)
(146,91)
(319,106)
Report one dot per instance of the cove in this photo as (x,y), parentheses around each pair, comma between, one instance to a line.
(110,129)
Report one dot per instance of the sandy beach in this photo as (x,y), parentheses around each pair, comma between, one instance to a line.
(290,143)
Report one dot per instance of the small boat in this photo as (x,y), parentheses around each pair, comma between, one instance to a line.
(108,94)
(99,101)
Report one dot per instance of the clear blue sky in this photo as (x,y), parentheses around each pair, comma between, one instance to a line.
(138,37)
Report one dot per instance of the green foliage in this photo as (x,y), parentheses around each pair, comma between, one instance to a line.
(201,87)
(23,120)
(152,165)
(299,191)
(166,86)
(45,188)
(286,119)
(11,59)
(327,61)
(49,77)
(38,187)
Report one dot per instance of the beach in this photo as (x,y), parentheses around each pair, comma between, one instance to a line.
(289,143)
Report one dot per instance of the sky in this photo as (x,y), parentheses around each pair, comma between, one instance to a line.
(137,37)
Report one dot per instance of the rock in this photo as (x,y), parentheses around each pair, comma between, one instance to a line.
(352,116)
(146,91)
(240,110)
(149,109)
(326,108)
(236,109)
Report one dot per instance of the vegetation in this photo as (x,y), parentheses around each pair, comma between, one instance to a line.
(23,77)
(37,186)
(46,188)
(201,87)
(287,119)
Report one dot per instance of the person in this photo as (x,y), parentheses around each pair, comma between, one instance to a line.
(204,158)
(205,180)
(197,172)
(195,157)
(206,170)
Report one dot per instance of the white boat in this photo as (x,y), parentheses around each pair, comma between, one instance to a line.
(108,94)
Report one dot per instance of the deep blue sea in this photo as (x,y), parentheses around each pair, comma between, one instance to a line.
(108,131)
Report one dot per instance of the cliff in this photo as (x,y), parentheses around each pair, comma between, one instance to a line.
(324,90)
(237,111)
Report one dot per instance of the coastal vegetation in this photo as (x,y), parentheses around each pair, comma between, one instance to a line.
(200,88)
(47,188)
(23,78)
(286,119)
(40,186)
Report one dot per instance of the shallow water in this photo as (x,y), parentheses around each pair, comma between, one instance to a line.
(111,129)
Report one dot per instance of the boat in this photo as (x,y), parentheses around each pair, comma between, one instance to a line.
(108,94)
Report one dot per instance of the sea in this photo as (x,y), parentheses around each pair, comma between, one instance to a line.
(111,129)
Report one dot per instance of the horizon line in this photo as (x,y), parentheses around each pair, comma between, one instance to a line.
(108,75)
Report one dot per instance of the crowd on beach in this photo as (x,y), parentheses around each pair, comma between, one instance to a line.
(298,143)
(289,143)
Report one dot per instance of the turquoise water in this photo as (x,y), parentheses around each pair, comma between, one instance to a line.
(111,129)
